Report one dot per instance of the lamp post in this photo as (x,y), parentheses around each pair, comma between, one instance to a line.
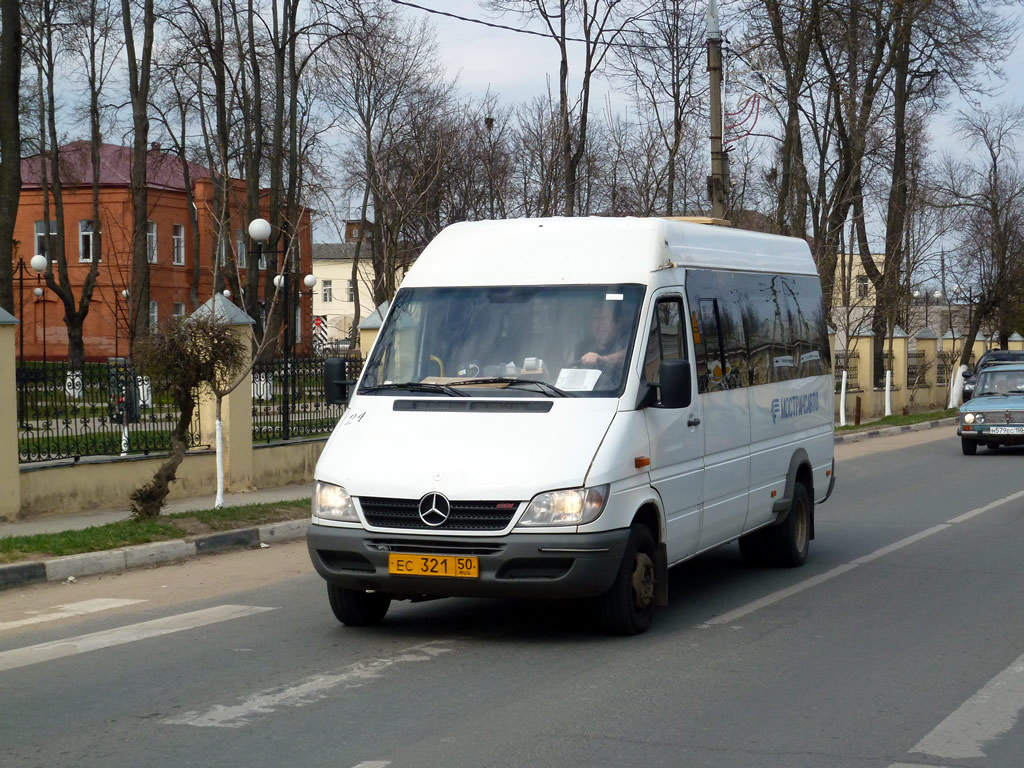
(38,293)
(38,264)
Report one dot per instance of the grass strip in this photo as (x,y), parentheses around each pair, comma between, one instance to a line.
(900,420)
(124,533)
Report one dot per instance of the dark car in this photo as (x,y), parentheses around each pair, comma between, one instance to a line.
(992,357)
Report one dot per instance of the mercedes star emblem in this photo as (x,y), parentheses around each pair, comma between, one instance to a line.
(435,509)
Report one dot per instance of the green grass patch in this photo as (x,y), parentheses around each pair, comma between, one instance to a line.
(126,533)
(899,421)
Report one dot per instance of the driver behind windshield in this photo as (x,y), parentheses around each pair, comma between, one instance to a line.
(605,347)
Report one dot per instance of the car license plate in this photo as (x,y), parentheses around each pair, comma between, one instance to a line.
(1006,430)
(433,565)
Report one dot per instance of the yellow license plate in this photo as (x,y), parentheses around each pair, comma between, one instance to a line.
(433,565)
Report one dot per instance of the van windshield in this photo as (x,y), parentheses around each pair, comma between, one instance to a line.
(521,340)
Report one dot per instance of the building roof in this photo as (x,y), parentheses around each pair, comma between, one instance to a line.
(163,169)
(336,251)
(224,311)
(375,319)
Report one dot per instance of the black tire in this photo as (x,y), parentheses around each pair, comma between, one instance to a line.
(786,545)
(356,608)
(969,447)
(628,607)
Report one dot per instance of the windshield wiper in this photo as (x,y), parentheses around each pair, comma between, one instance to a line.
(549,389)
(416,386)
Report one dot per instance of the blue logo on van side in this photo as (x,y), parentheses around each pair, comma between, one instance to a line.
(797,405)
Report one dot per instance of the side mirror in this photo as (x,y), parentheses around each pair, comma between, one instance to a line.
(336,382)
(676,384)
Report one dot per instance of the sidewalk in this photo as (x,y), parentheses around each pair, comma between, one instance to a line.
(71,567)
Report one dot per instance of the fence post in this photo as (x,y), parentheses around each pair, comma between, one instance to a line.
(236,408)
(10,478)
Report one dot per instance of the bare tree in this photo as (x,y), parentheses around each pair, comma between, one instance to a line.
(10,145)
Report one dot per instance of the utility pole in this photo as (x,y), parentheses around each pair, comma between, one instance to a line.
(718,181)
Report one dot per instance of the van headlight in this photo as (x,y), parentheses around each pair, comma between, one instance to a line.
(576,506)
(332,502)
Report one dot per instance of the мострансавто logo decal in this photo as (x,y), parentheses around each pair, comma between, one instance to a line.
(796,405)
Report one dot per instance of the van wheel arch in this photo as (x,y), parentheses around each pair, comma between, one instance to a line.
(799,472)
(649,516)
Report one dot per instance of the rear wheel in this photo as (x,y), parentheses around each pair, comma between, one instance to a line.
(969,447)
(357,608)
(786,545)
(628,607)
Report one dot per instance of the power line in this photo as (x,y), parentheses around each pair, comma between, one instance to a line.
(507,28)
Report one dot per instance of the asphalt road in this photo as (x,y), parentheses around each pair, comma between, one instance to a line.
(901,642)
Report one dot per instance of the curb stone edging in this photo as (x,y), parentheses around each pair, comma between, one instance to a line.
(888,431)
(142,555)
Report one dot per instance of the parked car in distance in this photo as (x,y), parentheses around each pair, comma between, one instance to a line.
(995,415)
(992,357)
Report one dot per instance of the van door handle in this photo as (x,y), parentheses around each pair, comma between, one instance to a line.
(693,421)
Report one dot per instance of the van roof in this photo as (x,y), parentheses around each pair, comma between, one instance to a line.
(596,250)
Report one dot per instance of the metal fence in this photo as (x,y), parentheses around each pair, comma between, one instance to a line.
(848,363)
(915,363)
(103,409)
(288,398)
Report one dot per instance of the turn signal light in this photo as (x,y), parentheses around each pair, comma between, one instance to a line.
(641,461)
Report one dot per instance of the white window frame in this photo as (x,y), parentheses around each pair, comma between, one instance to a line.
(154,315)
(83,236)
(151,242)
(297,333)
(178,309)
(862,286)
(351,290)
(242,257)
(178,240)
(327,295)
(40,236)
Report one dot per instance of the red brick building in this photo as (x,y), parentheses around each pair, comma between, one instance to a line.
(171,249)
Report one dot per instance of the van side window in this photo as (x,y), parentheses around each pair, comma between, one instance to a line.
(667,341)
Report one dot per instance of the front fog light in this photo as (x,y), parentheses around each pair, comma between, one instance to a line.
(332,502)
(576,506)
(968,418)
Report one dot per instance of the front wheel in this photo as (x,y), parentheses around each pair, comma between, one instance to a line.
(969,447)
(357,608)
(628,607)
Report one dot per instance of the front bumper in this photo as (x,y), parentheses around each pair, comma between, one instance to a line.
(562,565)
(983,434)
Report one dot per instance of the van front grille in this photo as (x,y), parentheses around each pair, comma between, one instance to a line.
(464,516)
(447,547)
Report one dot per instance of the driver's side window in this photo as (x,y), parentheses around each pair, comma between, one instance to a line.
(667,340)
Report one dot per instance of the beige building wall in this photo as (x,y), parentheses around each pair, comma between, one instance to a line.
(339,310)
(10,491)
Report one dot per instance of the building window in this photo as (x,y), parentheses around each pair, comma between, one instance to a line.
(298,326)
(179,309)
(154,316)
(41,249)
(263,260)
(351,290)
(85,240)
(178,238)
(862,286)
(151,242)
(240,253)
(327,290)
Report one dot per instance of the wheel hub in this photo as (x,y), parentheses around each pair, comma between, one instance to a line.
(643,581)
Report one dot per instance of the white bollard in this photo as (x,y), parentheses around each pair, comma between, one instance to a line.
(956,391)
(888,393)
(842,402)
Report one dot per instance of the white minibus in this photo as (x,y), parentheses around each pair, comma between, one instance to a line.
(568,407)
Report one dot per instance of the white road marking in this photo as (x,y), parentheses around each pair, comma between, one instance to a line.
(910,765)
(980,720)
(308,691)
(34,654)
(782,594)
(69,610)
(374,764)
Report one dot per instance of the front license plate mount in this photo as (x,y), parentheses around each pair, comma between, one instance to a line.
(437,566)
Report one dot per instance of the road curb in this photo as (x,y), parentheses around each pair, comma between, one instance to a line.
(144,555)
(856,437)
